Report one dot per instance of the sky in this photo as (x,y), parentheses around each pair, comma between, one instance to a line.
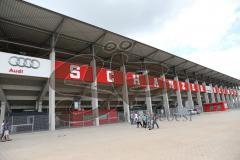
(204,31)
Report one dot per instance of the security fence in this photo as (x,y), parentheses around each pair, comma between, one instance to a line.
(85,118)
(28,123)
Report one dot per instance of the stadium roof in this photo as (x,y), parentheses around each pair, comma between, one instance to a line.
(24,26)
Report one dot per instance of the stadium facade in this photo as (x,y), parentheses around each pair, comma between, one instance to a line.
(55,65)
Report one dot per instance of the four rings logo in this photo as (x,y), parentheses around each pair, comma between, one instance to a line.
(24,62)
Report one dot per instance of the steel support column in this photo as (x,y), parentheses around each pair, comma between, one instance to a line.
(125,95)
(94,89)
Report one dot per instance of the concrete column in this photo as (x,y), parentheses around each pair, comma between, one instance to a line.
(213,100)
(236,101)
(199,99)
(165,97)
(218,95)
(189,93)
(3,109)
(223,96)
(228,100)
(206,95)
(231,100)
(108,105)
(94,90)
(125,95)
(39,104)
(148,94)
(52,89)
(238,97)
(179,96)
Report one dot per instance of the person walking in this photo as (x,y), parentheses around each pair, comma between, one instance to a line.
(144,120)
(149,121)
(132,117)
(135,117)
(2,130)
(154,119)
(139,121)
(6,129)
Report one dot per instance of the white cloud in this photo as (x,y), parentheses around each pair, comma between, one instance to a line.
(225,61)
(199,26)
(198,33)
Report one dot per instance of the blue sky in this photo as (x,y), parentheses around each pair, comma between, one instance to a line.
(203,31)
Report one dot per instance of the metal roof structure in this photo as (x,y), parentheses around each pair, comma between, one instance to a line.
(28,28)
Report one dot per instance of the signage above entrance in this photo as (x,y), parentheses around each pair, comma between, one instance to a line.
(24,65)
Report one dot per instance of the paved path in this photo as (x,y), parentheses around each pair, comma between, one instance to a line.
(211,136)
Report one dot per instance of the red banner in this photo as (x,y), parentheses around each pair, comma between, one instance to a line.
(136,80)
(70,71)
(109,77)
(171,84)
(194,87)
(202,88)
(183,86)
(155,82)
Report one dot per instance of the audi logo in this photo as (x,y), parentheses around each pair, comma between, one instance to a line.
(24,62)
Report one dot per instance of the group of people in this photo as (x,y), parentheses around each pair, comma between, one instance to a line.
(144,120)
(5,131)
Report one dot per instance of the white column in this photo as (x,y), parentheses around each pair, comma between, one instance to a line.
(179,96)
(218,95)
(3,109)
(231,100)
(125,95)
(223,96)
(199,99)
(52,90)
(235,101)
(213,100)
(94,90)
(228,100)
(206,95)
(39,105)
(108,105)
(238,97)
(148,94)
(189,93)
(165,97)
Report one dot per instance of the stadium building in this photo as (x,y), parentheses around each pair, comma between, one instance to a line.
(57,71)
